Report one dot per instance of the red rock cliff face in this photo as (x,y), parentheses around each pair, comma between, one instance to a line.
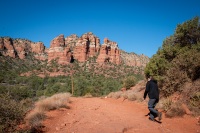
(59,51)
(88,45)
(62,49)
(109,52)
(21,47)
(6,47)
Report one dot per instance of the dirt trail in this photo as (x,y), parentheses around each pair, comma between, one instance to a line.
(105,115)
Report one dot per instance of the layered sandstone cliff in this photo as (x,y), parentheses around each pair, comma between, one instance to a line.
(21,47)
(132,59)
(59,51)
(87,45)
(109,52)
(64,49)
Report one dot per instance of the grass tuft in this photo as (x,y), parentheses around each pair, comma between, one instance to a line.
(176,110)
(35,118)
(37,115)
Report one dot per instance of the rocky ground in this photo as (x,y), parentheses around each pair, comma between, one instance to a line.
(106,115)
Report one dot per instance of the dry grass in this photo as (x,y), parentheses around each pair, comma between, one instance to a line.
(130,95)
(37,115)
(124,95)
(88,95)
(54,102)
(115,95)
(165,104)
(175,110)
(35,118)
(110,95)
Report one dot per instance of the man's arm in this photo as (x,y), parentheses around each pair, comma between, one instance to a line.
(146,90)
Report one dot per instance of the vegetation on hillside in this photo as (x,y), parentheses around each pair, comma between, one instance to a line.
(177,64)
(86,78)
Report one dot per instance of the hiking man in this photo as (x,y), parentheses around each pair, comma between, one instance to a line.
(153,94)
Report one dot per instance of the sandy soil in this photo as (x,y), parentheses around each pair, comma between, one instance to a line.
(105,115)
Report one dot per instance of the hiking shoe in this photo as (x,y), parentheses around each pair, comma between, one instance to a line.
(159,116)
(147,114)
(151,119)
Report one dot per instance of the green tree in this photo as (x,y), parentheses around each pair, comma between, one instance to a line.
(177,61)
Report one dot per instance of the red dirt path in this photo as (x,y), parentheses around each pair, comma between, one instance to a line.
(105,115)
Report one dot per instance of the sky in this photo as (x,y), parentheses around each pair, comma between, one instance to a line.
(138,26)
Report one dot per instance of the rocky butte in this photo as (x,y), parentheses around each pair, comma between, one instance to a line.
(21,48)
(64,49)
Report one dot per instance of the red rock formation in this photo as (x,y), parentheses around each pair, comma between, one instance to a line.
(109,52)
(71,40)
(80,51)
(6,46)
(58,50)
(39,50)
(20,47)
(84,47)
(37,47)
(87,46)
(58,41)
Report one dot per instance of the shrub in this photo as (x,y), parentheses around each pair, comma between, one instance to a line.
(21,92)
(110,95)
(88,95)
(132,96)
(37,115)
(35,118)
(117,94)
(166,104)
(27,103)
(175,110)
(195,99)
(54,102)
(124,95)
(11,113)
(129,82)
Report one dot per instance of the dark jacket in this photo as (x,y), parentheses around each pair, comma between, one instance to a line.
(152,90)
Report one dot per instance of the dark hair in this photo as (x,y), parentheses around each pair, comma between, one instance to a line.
(147,76)
(151,77)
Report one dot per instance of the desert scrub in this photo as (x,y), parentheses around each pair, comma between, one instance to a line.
(166,104)
(194,103)
(54,102)
(176,110)
(11,114)
(129,82)
(37,115)
(195,99)
(35,118)
(115,95)
(132,96)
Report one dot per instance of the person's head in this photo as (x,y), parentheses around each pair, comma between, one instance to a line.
(150,77)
